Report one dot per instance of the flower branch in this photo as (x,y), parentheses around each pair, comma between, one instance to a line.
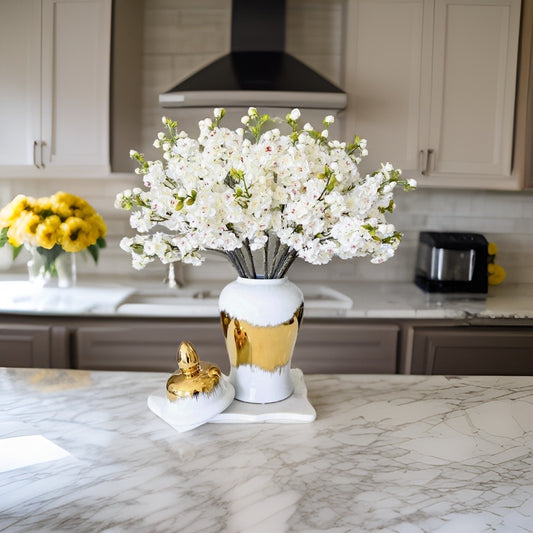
(260,196)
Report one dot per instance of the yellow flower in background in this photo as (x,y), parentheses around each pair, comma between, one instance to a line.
(97,227)
(27,224)
(60,223)
(42,206)
(75,234)
(68,205)
(496,274)
(47,232)
(14,209)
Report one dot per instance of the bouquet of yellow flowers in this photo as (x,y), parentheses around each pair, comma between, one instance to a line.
(496,272)
(52,225)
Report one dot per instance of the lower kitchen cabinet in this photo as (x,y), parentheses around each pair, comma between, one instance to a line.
(472,350)
(322,347)
(345,347)
(138,345)
(446,347)
(32,345)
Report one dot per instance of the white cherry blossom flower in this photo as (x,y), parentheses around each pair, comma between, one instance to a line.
(295,114)
(236,191)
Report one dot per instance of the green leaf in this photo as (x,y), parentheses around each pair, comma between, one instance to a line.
(137,248)
(3,237)
(94,251)
(16,251)
(331,184)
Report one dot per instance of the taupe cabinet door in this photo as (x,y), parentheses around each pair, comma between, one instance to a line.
(473,350)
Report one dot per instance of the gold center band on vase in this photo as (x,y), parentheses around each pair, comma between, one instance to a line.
(267,347)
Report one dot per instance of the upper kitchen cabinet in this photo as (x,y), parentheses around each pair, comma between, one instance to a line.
(431,86)
(54,110)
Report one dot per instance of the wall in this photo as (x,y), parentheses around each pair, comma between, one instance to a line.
(181,36)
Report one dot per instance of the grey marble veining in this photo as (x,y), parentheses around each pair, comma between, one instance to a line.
(386,453)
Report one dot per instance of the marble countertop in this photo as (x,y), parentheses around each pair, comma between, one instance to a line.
(385,453)
(323,299)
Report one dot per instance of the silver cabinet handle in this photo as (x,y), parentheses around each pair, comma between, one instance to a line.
(421,156)
(42,159)
(35,143)
(429,153)
(428,160)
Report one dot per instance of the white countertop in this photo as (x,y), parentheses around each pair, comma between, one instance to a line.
(385,453)
(323,300)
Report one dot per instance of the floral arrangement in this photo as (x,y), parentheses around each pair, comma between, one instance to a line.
(496,273)
(52,225)
(259,196)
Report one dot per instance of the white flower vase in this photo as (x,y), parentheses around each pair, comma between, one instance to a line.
(260,321)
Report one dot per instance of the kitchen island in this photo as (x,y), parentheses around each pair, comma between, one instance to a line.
(385,453)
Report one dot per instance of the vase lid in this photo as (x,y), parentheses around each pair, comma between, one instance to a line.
(195,393)
(193,377)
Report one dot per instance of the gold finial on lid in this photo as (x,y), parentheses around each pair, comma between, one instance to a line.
(193,377)
(188,361)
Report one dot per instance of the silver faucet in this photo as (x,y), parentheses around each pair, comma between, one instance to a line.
(173,280)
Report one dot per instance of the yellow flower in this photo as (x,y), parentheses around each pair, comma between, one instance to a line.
(496,274)
(14,209)
(47,233)
(62,218)
(42,205)
(28,223)
(14,237)
(98,226)
(67,205)
(23,229)
(74,234)
(492,249)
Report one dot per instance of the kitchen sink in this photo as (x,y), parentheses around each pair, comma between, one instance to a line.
(199,301)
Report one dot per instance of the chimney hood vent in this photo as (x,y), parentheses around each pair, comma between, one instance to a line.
(257,71)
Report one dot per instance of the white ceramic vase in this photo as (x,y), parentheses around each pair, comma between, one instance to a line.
(260,321)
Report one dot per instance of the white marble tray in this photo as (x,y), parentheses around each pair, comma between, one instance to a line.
(295,409)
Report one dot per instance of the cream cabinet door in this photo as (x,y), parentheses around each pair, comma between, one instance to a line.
(431,86)
(76,59)
(57,110)
(475,51)
(20,81)
(388,51)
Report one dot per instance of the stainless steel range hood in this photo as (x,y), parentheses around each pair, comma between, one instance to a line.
(257,71)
